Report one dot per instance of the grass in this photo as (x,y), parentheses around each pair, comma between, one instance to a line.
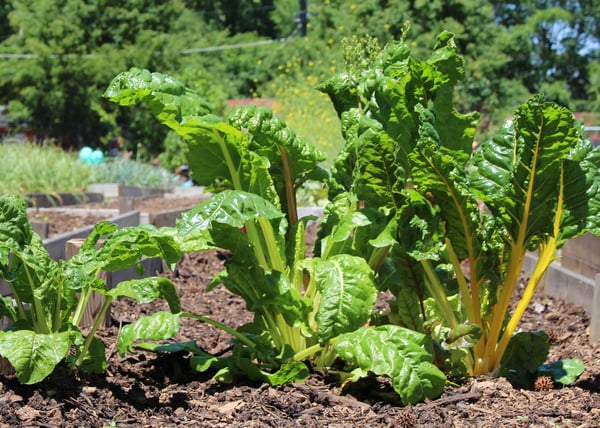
(28,168)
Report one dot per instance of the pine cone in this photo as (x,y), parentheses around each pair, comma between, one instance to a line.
(543,383)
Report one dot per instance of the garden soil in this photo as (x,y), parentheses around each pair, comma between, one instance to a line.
(143,389)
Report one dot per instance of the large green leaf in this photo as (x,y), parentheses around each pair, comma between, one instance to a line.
(581,181)
(275,140)
(158,326)
(218,153)
(146,290)
(34,356)
(15,231)
(122,248)
(526,351)
(519,175)
(218,222)
(169,99)
(233,208)
(404,355)
(348,294)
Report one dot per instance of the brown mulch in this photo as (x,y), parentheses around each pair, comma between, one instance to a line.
(143,389)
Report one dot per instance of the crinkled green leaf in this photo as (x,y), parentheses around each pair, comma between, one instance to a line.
(121,249)
(562,371)
(34,356)
(158,326)
(582,192)
(275,140)
(348,294)
(7,309)
(146,290)
(233,208)
(519,175)
(167,98)
(218,153)
(403,355)
(15,230)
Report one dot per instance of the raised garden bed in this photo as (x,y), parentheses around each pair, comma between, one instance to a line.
(143,389)
(44,200)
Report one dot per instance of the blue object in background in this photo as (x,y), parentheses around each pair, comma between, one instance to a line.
(97,157)
(85,154)
(91,157)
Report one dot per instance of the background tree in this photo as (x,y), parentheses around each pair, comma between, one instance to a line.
(551,45)
(64,52)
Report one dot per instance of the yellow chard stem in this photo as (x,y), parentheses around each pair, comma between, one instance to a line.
(546,256)
(487,362)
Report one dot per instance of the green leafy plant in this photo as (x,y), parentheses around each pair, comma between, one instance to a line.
(461,219)
(49,297)
(413,209)
(254,163)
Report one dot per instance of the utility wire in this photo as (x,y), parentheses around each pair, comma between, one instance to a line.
(238,45)
(183,51)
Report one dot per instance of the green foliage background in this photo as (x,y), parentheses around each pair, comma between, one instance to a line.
(59,55)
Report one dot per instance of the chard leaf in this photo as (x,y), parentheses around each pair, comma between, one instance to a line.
(381,137)
(337,235)
(526,351)
(233,208)
(289,371)
(438,173)
(7,309)
(121,249)
(15,230)
(348,294)
(158,326)
(146,290)
(218,222)
(167,98)
(581,181)
(218,153)
(519,174)
(563,371)
(203,361)
(404,355)
(276,141)
(125,247)
(34,356)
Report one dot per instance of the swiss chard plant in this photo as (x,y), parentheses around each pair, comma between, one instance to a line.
(254,164)
(414,209)
(49,297)
(462,215)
